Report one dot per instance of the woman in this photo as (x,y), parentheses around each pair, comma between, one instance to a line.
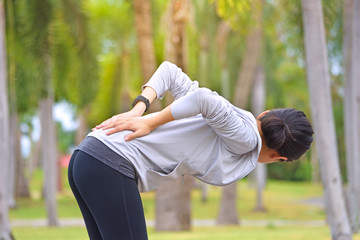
(199,134)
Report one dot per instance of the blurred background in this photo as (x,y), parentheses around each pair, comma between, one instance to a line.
(71,64)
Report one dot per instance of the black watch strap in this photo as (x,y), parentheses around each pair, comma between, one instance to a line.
(143,99)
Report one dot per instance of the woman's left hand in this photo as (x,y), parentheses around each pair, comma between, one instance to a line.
(139,126)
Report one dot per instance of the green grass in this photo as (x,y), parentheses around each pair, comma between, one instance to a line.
(283,200)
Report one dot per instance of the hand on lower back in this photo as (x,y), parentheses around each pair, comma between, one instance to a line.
(117,118)
(139,126)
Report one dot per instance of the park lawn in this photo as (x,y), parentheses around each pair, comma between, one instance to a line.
(198,233)
(283,200)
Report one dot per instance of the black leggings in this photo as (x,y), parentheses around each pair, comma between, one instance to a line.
(109,201)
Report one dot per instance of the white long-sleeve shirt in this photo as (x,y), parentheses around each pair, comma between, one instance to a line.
(210,139)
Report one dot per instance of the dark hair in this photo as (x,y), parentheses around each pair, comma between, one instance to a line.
(287,131)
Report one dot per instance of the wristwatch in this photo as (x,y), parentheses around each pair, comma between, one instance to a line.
(143,99)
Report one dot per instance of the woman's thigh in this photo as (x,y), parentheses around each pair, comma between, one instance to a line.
(112,198)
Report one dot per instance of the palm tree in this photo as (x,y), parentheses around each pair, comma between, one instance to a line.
(38,21)
(321,108)
(173,198)
(352,106)
(5,231)
(143,24)
(258,106)
(228,212)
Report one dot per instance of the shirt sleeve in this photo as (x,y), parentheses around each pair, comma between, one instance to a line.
(170,77)
(235,131)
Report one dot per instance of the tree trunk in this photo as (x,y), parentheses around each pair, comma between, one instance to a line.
(322,115)
(49,159)
(175,45)
(221,43)
(349,111)
(173,205)
(21,183)
(143,24)
(352,109)
(258,106)
(142,9)
(5,231)
(34,158)
(228,213)
(83,128)
(12,158)
(49,148)
(241,97)
(173,201)
(250,60)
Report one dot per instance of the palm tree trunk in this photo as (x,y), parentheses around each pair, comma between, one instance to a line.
(353,111)
(250,59)
(228,214)
(5,231)
(241,99)
(21,183)
(143,24)
(221,43)
(49,150)
(258,106)
(322,115)
(173,199)
(49,157)
(12,157)
(83,129)
(173,205)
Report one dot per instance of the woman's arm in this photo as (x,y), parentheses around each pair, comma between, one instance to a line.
(234,130)
(167,77)
(170,77)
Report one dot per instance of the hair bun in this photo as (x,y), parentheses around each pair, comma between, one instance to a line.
(277,132)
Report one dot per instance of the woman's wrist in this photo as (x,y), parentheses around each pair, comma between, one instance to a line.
(139,109)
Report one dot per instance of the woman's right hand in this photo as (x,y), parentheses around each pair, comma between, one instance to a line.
(118,118)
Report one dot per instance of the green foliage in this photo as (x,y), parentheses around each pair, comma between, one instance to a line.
(76,76)
(114,26)
(24,46)
(108,99)
(238,13)
(299,170)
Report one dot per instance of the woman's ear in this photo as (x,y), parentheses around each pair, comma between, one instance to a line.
(263,114)
(277,157)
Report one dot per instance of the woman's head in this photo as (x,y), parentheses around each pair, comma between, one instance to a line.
(287,131)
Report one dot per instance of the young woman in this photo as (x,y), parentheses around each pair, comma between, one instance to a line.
(199,134)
